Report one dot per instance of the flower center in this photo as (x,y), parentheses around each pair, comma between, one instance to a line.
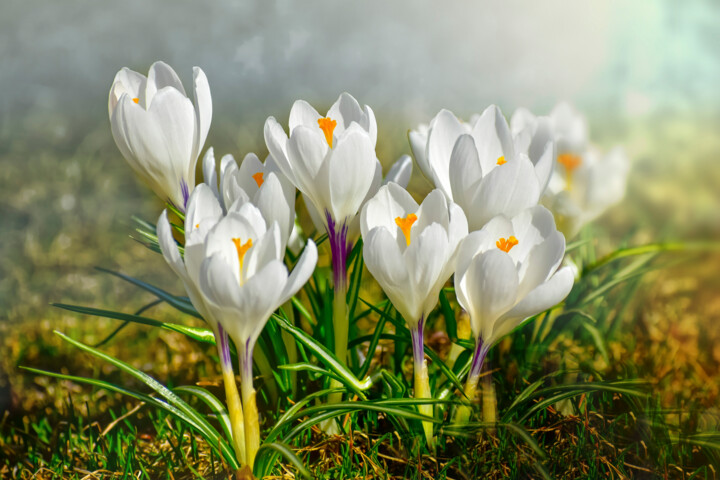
(136,100)
(501,160)
(242,249)
(258,177)
(405,225)
(506,244)
(327,125)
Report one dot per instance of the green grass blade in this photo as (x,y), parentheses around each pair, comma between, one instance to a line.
(285,451)
(172,300)
(326,357)
(211,401)
(203,335)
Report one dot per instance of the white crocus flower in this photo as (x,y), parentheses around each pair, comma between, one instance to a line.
(410,250)
(331,161)
(260,183)
(480,166)
(203,212)
(584,182)
(243,280)
(586,186)
(159,131)
(506,273)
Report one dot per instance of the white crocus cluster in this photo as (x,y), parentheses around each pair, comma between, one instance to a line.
(488,176)
(585,182)
(480,166)
(159,131)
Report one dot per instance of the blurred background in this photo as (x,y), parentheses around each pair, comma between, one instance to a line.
(645,73)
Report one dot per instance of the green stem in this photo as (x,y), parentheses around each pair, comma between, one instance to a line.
(340,322)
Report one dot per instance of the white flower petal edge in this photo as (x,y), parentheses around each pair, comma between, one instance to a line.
(159,131)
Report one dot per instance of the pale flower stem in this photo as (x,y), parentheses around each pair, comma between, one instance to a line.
(252,423)
(232,397)
(462,414)
(341,322)
(339,249)
(422,380)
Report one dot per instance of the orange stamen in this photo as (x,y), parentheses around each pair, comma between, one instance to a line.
(506,245)
(501,160)
(570,162)
(258,177)
(242,250)
(136,100)
(327,125)
(406,224)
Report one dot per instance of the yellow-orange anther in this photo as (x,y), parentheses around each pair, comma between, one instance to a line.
(242,250)
(501,160)
(406,224)
(136,100)
(570,161)
(197,225)
(506,245)
(258,177)
(327,125)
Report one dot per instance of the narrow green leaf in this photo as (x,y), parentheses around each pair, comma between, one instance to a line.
(211,401)
(286,452)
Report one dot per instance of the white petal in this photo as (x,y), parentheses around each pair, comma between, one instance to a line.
(346,110)
(307,149)
(161,75)
(250,165)
(203,108)
(506,190)
(400,172)
(433,209)
(202,206)
(168,247)
(209,167)
(304,268)
(302,113)
(276,141)
(130,82)
(492,138)
(386,264)
(489,289)
(264,250)
(445,130)
(543,297)
(418,145)
(271,201)
(390,202)
(465,170)
(351,170)
(426,258)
